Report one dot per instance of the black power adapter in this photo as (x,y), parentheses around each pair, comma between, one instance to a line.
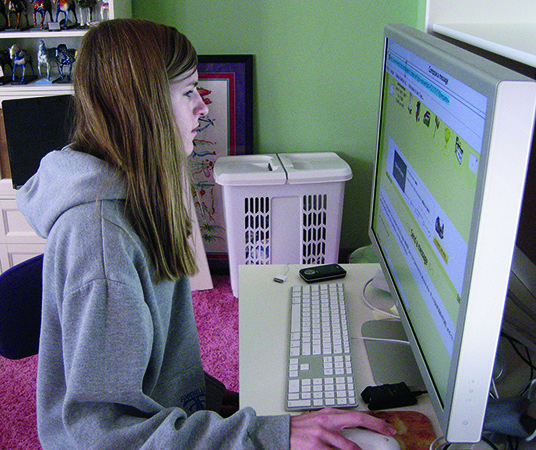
(389,396)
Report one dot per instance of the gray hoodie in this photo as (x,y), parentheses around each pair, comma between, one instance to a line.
(119,362)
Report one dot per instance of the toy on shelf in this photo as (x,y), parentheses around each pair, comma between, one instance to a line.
(66,57)
(86,6)
(66,6)
(4,15)
(42,7)
(21,58)
(104,9)
(17,7)
(5,60)
(46,56)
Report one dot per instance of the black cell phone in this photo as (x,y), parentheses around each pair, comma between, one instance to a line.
(322,273)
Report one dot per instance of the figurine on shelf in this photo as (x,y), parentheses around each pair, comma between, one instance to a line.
(66,57)
(87,7)
(104,9)
(20,58)
(42,7)
(17,7)
(66,6)
(46,56)
(5,60)
(4,15)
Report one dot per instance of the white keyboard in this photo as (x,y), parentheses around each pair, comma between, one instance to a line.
(320,371)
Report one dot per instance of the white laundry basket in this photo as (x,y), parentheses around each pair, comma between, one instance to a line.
(282,208)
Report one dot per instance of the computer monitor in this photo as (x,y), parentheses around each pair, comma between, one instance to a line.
(35,126)
(454,135)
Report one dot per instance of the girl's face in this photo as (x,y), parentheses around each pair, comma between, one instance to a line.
(188,107)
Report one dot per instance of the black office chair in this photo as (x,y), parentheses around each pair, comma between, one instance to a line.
(21,289)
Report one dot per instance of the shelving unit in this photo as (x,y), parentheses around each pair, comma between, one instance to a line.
(29,40)
(18,241)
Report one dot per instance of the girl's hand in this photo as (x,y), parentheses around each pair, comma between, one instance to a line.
(322,429)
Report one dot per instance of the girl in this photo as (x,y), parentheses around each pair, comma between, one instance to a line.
(119,361)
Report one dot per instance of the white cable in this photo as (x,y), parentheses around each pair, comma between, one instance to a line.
(436,442)
(281,278)
(493,388)
(372,307)
(394,341)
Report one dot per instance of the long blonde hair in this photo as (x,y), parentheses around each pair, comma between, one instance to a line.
(124,116)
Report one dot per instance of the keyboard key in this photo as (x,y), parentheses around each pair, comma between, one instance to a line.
(299,403)
(293,386)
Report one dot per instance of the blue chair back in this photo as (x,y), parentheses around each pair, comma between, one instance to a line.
(21,289)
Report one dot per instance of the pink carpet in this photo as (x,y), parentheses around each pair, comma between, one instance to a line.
(216,313)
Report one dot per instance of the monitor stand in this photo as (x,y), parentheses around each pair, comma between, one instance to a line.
(391,360)
(390,356)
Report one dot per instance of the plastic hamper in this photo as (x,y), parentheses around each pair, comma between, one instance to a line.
(282,208)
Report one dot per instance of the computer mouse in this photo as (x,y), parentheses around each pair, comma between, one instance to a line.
(370,440)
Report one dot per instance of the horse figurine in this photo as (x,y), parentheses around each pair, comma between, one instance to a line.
(64,7)
(86,5)
(66,57)
(45,56)
(5,60)
(17,7)
(20,58)
(42,7)
(3,13)
(104,9)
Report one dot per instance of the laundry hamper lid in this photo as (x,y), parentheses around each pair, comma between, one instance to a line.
(322,167)
(249,170)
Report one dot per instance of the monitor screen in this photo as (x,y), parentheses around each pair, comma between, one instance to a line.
(34,127)
(454,138)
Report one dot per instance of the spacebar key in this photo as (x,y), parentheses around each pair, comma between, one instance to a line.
(299,403)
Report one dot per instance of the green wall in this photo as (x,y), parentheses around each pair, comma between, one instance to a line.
(317,70)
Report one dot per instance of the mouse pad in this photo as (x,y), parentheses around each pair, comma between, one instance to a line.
(414,431)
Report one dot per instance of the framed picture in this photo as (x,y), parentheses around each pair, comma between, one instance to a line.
(225,83)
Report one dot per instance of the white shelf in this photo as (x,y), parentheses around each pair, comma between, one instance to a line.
(33,89)
(516,41)
(41,34)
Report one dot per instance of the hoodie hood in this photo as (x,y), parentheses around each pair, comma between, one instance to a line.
(65,179)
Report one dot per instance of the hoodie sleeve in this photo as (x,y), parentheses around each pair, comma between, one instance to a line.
(106,401)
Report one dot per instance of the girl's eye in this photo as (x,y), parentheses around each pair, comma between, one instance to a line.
(189,93)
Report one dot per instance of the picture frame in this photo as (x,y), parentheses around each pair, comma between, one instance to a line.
(226,86)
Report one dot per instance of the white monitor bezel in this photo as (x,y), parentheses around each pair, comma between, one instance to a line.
(511,108)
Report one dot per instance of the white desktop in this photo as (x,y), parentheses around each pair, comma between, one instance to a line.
(263,333)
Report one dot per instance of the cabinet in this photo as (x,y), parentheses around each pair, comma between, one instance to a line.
(29,40)
(18,241)
(503,28)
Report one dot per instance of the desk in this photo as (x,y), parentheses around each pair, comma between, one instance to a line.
(263,333)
